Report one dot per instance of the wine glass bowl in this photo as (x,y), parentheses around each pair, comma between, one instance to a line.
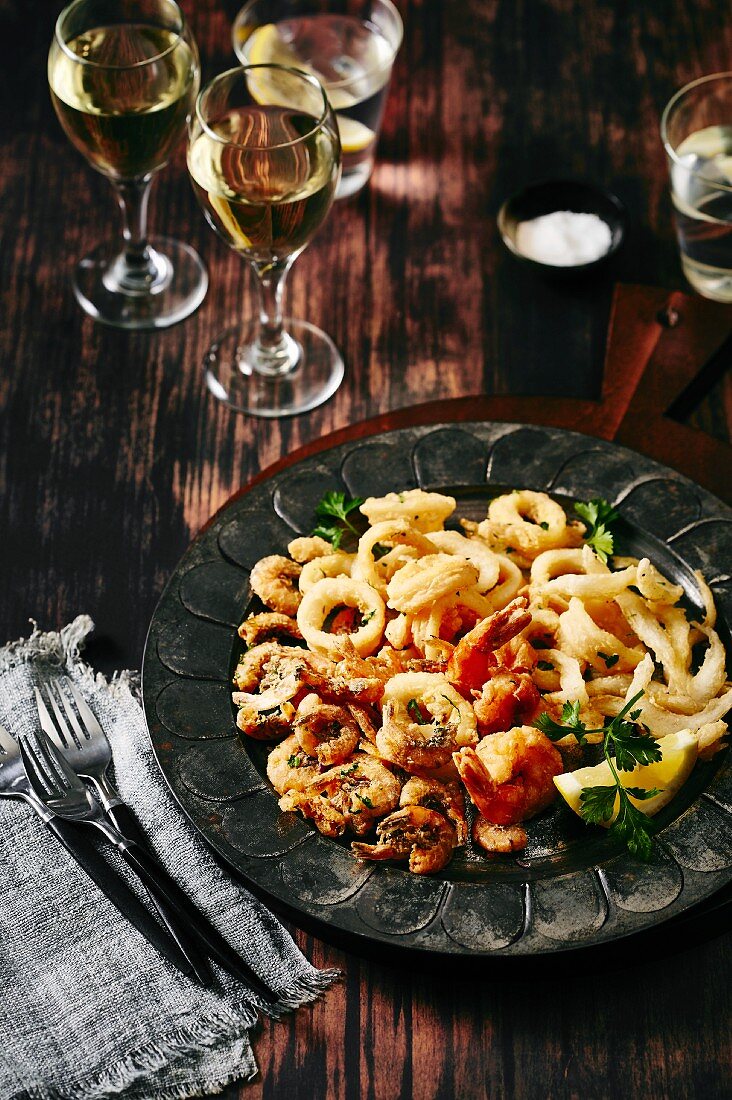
(123,77)
(264,159)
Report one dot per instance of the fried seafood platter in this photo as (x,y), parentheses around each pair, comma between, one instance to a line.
(424,684)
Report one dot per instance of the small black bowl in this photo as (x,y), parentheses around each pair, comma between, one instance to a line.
(574,195)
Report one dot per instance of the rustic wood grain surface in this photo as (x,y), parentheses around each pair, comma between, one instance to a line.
(112,454)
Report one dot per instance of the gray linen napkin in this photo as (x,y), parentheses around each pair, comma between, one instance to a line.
(87,1008)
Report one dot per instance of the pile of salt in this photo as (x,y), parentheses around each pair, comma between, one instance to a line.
(563,238)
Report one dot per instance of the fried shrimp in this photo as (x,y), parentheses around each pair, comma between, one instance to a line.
(425,721)
(274,579)
(349,796)
(270,624)
(422,836)
(445,798)
(289,768)
(510,775)
(506,700)
(473,659)
(325,731)
(498,838)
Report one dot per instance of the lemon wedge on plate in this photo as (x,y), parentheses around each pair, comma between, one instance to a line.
(668,775)
(266,46)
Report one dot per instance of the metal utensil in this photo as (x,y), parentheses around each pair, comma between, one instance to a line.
(65,794)
(84,742)
(14,784)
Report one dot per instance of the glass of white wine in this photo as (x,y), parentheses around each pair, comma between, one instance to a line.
(264,158)
(124,75)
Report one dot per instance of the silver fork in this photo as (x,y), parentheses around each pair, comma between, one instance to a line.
(194,933)
(14,784)
(85,745)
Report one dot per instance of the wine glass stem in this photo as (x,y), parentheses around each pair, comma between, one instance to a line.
(274,351)
(138,269)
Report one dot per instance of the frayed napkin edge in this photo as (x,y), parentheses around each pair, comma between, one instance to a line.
(224,1027)
(63,649)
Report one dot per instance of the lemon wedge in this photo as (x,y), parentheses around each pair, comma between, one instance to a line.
(266,46)
(668,775)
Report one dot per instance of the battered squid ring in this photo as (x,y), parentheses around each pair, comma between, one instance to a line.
(433,577)
(330,593)
(395,533)
(339,564)
(510,582)
(424,511)
(473,550)
(531,522)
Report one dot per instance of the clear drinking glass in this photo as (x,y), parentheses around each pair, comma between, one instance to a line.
(124,75)
(696,130)
(349,45)
(264,159)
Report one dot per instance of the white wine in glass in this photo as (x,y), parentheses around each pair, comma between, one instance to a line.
(264,159)
(124,77)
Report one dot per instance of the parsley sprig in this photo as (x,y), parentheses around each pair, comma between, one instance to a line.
(630,749)
(336,507)
(598,514)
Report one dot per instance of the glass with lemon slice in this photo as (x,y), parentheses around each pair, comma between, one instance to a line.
(696,130)
(349,45)
(264,160)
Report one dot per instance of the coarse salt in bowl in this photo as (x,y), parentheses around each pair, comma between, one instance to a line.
(562,226)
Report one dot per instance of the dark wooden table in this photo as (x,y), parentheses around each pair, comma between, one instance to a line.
(112,454)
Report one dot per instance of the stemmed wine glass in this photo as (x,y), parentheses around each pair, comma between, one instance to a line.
(264,158)
(124,75)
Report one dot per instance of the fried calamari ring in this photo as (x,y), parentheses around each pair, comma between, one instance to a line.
(473,550)
(330,565)
(384,549)
(530,522)
(420,583)
(326,596)
(423,511)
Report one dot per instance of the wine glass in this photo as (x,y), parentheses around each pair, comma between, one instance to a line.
(264,159)
(124,75)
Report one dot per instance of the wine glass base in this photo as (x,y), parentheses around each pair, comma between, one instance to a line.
(314,379)
(179,291)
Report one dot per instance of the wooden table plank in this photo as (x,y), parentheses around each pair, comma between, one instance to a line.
(112,454)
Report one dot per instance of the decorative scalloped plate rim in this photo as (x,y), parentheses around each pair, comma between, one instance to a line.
(501,910)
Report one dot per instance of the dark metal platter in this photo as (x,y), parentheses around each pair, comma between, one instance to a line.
(571,888)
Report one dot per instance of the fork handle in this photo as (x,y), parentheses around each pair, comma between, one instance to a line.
(125,822)
(157,879)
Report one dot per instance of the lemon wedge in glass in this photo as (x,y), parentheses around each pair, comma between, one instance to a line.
(668,775)
(266,46)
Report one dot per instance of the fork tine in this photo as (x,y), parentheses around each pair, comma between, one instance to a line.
(81,734)
(36,776)
(63,736)
(48,759)
(88,717)
(58,737)
(71,780)
(66,733)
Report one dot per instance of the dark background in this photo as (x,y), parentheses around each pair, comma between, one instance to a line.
(113,454)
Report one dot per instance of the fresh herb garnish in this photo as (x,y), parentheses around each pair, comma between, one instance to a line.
(293,761)
(415,712)
(336,507)
(545,666)
(365,799)
(544,525)
(379,550)
(598,514)
(350,771)
(631,748)
(610,659)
